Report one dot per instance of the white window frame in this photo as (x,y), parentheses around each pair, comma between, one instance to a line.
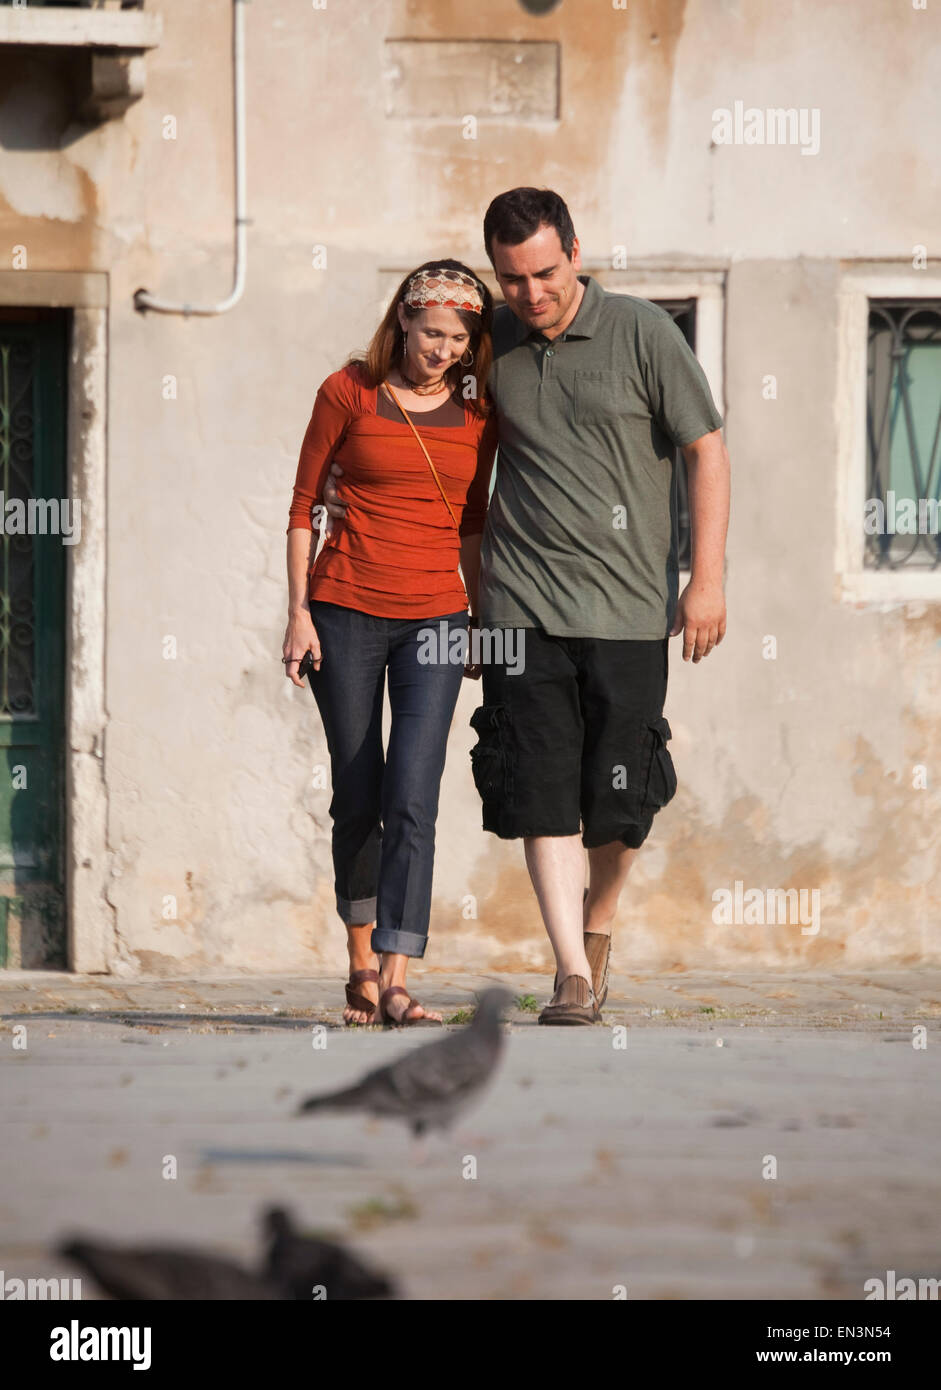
(856,583)
(707,287)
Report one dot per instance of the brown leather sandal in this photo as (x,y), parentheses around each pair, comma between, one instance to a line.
(404,1021)
(574,1002)
(358,1001)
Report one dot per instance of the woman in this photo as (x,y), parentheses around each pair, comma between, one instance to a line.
(387,571)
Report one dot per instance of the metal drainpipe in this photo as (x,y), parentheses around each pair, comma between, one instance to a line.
(143,299)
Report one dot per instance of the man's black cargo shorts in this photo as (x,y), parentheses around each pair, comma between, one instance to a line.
(575,741)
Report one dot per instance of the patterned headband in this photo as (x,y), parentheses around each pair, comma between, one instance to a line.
(451,289)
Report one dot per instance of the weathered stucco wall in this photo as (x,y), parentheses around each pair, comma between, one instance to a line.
(794,772)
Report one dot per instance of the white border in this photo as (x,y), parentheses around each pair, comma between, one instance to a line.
(89,917)
(708,290)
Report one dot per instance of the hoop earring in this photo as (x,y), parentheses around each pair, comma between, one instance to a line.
(467,364)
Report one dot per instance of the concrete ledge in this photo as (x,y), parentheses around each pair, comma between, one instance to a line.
(56,289)
(60,28)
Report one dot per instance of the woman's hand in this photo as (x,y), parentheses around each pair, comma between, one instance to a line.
(471,671)
(300,637)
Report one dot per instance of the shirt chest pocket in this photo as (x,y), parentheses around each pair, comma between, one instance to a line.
(601,397)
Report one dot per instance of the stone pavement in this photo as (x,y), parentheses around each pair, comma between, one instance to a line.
(598,1157)
(807,999)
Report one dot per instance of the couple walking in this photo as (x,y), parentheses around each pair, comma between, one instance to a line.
(587,394)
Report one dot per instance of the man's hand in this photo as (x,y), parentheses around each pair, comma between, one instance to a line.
(700,616)
(700,612)
(335,508)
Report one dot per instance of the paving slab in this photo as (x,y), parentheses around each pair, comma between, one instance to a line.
(599,1157)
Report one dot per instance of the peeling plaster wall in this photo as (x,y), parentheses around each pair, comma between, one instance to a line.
(795,772)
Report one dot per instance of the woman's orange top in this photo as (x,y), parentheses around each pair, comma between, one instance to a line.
(396,552)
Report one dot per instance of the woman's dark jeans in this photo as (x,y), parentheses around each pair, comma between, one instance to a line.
(384,811)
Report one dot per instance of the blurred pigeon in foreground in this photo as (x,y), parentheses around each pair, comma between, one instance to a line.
(431,1085)
(294,1266)
(162,1273)
(298,1264)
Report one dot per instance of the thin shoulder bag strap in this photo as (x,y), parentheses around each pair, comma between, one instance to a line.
(387,388)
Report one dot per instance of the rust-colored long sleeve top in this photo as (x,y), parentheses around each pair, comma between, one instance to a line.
(396,552)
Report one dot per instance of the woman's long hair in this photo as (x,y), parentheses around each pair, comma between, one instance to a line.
(388,343)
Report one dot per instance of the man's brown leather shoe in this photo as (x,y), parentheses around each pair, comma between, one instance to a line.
(598,951)
(573,1003)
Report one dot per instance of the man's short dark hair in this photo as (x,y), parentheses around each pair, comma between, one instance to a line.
(515,216)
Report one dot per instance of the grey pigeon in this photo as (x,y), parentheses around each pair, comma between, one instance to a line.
(298,1264)
(431,1085)
(165,1273)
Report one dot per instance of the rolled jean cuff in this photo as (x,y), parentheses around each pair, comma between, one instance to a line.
(403,943)
(357,913)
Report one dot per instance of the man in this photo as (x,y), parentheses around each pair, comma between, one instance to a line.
(593,393)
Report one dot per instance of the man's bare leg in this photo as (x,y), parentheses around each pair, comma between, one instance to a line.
(608,867)
(556,865)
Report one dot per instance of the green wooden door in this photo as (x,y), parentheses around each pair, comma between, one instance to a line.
(33,376)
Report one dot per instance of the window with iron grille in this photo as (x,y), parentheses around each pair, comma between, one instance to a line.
(683,313)
(903,435)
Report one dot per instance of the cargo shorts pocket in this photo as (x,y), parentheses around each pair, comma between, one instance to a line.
(659,774)
(491,755)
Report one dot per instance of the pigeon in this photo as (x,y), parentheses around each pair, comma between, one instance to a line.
(299,1264)
(165,1273)
(294,1266)
(429,1086)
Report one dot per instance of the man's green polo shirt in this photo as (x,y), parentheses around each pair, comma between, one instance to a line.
(580,537)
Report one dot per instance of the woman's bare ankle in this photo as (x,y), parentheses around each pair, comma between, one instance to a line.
(360,952)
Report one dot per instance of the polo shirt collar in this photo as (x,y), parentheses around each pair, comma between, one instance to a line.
(585,322)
